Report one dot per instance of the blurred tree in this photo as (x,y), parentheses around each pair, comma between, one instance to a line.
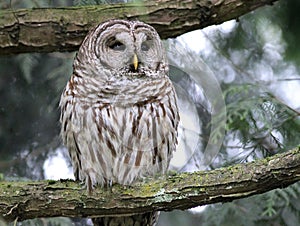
(255,61)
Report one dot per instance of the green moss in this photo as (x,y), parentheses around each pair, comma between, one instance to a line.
(51,182)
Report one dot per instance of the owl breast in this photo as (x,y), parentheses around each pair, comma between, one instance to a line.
(119,137)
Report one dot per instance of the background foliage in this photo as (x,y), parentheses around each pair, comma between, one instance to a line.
(256,63)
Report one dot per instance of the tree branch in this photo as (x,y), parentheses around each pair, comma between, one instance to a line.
(63,29)
(25,200)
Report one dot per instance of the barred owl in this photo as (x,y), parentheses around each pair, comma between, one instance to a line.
(119,113)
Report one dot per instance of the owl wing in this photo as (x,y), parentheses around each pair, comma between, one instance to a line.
(82,136)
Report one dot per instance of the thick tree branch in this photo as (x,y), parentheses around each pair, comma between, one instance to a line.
(63,29)
(25,200)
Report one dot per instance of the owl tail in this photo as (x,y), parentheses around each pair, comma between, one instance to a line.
(146,219)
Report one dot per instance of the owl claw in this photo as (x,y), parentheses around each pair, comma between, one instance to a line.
(109,184)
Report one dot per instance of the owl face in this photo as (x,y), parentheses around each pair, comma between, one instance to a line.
(124,48)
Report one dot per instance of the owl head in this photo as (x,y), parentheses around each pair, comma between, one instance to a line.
(121,48)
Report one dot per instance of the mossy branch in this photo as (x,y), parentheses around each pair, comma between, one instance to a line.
(63,29)
(25,200)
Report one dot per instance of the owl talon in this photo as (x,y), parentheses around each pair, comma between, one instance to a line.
(109,185)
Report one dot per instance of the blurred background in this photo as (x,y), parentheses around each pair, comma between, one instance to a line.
(247,69)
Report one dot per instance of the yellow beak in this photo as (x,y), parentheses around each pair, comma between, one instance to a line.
(135,62)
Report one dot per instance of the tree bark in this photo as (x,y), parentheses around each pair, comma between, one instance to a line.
(25,200)
(63,29)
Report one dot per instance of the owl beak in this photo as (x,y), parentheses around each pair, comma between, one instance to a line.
(135,62)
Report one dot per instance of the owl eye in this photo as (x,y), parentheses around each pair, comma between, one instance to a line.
(145,46)
(117,46)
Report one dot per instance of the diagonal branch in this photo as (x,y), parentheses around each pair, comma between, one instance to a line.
(27,200)
(63,29)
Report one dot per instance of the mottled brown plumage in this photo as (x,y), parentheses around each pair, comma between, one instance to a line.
(119,113)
